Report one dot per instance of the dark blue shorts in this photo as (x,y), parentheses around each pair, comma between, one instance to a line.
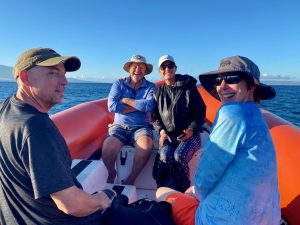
(128,135)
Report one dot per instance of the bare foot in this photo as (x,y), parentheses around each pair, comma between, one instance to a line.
(111,176)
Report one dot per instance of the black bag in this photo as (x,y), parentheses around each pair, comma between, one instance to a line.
(170,175)
(141,212)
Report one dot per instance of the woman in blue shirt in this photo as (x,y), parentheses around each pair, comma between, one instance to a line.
(236,180)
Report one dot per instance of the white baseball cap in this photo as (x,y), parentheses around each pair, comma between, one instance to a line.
(164,58)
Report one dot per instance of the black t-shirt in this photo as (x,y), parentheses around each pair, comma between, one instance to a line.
(35,162)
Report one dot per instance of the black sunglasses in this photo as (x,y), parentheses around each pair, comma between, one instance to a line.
(229,79)
(169,66)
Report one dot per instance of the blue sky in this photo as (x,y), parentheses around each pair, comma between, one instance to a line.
(105,34)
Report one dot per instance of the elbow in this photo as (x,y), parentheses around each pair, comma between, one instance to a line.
(112,108)
(150,108)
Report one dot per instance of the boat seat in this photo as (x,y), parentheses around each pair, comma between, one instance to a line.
(145,179)
(91,174)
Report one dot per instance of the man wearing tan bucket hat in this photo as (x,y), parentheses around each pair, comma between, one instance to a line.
(131,99)
(37,185)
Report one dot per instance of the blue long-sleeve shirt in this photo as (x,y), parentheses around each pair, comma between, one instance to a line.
(236,180)
(144,102)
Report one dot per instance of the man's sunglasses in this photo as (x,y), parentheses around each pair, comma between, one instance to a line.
(169,66)
(229,79)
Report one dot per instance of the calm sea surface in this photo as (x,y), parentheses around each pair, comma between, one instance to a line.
(286,104)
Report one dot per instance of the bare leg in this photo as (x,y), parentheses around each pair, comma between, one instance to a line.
(163,192)
(110,150)
(144,146)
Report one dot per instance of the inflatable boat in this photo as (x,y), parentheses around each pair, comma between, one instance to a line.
(84,128)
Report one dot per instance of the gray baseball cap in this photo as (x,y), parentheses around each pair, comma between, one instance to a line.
(237,64)
(44,57)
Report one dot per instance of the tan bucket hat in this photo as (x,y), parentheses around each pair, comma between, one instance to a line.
(138,59)
(44,57)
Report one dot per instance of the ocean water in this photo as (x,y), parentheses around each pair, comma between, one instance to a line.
(286,104)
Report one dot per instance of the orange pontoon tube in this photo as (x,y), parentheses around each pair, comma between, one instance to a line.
(84,127)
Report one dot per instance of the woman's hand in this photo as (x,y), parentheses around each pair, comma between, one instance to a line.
(189,133)
(163,136)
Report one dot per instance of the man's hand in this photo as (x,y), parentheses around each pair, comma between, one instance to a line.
(105,199)
(128,101)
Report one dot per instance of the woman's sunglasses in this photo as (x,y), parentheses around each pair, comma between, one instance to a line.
(169,66)
(229,79)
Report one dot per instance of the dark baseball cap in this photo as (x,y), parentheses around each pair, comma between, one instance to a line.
(44,57)
(237,64)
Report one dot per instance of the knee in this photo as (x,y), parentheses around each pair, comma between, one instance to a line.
(166,154)
(162,193)
(144,143)
(179,157)
(144,148)
(111,147)
(163,157)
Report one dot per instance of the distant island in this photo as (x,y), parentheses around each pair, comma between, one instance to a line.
(6,76)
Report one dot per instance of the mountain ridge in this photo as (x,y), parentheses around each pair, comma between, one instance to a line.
(6,75)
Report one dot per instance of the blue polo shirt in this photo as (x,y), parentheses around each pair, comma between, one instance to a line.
(144,102)
(236,180)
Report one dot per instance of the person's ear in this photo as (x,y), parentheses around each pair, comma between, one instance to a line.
(253,87)
(160,72)
(23,76)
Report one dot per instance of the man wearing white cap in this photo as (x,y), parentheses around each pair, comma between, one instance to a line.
(131,99)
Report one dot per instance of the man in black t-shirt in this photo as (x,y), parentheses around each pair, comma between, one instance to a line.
(36,183)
